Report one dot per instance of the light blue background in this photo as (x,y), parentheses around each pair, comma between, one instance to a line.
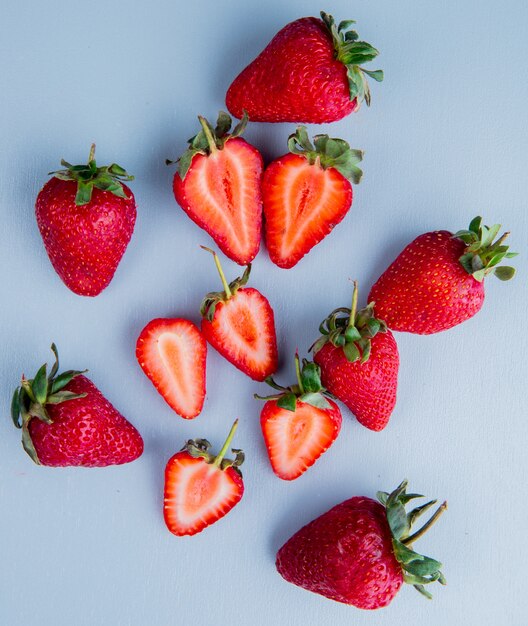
(445,139)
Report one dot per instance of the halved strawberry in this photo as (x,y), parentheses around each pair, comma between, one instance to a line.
(299,423)
(200,488)
(239,323)
(218,185)
(306,193)
(172,353)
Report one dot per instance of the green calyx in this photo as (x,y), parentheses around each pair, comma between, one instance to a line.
(353,53)
(351,330)
(308,388)
(108,178)
(31,397)
(327,152)
(418,570)
(482,255)
(209,303)
(209,140)
(199,448)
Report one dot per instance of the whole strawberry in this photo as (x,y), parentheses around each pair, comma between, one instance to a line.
(310,72)
(65,420)
(306,193)
(299,423)
(218,185)
(360,552)
(86,217)
(240,324)
(359,363)
(437,281)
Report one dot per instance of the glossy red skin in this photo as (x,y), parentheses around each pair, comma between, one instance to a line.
(346,555)
(269,182)
(210,333)
(199,217)
(368,389)
(84,243)
(294,79)
(86,432)
(235,477)
(426,289)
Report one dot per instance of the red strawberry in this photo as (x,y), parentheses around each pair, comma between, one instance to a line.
(239,323)
(200,488)
(218,185)
(172,353)
(86,217)
(360,552)
(309,72)
(437,281)
(306,193)
(65,420)
(299,423)
(359,363)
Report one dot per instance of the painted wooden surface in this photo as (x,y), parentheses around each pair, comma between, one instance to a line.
(445,139)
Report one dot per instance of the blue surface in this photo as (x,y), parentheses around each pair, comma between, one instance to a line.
(445,139)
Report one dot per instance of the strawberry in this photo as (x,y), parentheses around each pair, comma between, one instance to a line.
(437,281)
(218,185)
(239,323)
(65,420)
(172,353)
(86,217)
(309,72)
(359,363)
(360,551)
(200,488)
(306,193)
(299,423)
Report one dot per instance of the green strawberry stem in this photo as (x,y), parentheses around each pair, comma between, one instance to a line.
(220,271)
(432,520)
(107,178)
(298,372)
(208,134)
(353,308)
(219,457)
(482,255)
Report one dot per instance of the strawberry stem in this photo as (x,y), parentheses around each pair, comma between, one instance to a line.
(353,308)
(208,134)
(220,271)
(91,156)
(298,372)
(225,447)
(412,538)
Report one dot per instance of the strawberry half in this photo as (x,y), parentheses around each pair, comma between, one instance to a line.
(66,421)
(239,323)
(218,185)
(306,193)
(86,216)
(311,71)
(437,281)
(172,353)
(359,363)
(200,488)
(299,424)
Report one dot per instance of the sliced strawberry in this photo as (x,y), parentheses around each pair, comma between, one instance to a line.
(201,488)
(218,186)
(299,423)
(307,193)
(239,323)
(172,353)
